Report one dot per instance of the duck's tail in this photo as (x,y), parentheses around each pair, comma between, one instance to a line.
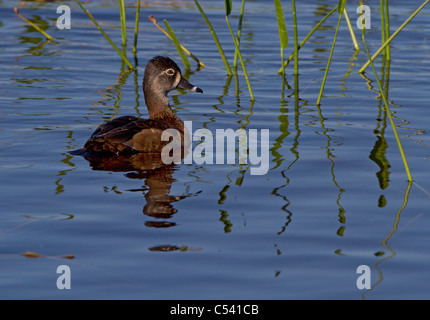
(79,152)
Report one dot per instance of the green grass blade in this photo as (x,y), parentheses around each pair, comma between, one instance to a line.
(387,28)
(296,46)
(329,61)
(307,37)
(241,60)
(283,35)
(123,22)
(341,6)
(47,36)
(364,67)
(136,28)
(399,144)
(383,38)
(154,21)
(218,44)
(239,33)
(124,58)
(351,30)
(178,46)
(228,7)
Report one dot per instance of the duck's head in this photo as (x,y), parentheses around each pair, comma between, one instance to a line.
(162,75)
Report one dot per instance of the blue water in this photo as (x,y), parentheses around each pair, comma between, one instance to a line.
(336,195)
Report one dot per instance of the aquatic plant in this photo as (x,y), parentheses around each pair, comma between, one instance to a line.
(123,23)
(340,9)
(283,34)
(215,37)
(136,28)
(387,108)
(154,21)
(228,8)
(388,41)
(239,33)
(122,55)
(47,36)
(177,45)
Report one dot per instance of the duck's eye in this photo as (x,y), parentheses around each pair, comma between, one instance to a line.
(170,72)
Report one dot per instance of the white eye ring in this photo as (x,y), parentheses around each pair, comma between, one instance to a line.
(170,72)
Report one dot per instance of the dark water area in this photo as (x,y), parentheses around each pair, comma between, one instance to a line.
(335,195)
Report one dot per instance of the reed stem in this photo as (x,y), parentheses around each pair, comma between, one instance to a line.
(296,41)
(351,30)
(178,46)
(390,116)
(241,60)
(124,58)
(218,44)
(239,33)
(123,23)
(136,28)
(387,28)
(307,38)
(154,21)
(329,61)
(47,36)
(283,35)
(383,38)
(364,67)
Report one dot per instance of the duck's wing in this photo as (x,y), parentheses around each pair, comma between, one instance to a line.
(128,134)
(113,124)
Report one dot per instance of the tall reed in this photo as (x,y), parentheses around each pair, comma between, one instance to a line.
(178,46)
(136,28)
(283,35)
(123,23)
(228,7)
(218,44)
(351,30)
(390,116)
(388,41)
(122,55)
(239,33)
(46,35)
(296,42)
(307,38)
(340,8)
(387,28)
(154,21)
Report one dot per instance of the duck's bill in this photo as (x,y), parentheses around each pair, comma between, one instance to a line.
(185,85)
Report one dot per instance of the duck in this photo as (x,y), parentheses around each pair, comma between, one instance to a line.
(130,135)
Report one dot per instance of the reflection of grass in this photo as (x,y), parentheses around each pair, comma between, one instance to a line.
(390,116)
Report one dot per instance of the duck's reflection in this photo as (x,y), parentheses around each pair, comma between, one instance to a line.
(158,180)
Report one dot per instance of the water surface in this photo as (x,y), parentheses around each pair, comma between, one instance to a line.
(336,195)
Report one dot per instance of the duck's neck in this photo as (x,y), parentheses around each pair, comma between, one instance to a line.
(159,109)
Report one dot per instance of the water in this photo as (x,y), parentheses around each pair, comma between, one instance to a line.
(335,197)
